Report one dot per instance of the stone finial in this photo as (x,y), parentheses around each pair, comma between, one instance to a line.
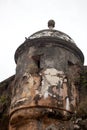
(51,24)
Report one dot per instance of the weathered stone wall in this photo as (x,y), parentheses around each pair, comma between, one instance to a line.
(42,118)
(50,117)
(5,101)
(44,93)
(46,56)
(44,88)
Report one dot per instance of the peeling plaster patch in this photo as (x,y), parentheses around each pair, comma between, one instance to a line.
(67,104)
(44,87)
(74,95)
(19,102)
(46,94)
(52,76)
(52,81)
(65,80)
(53,71)
(22,100)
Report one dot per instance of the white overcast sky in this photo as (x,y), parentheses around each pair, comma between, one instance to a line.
(21,18)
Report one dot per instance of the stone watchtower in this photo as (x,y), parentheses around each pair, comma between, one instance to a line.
(45,85)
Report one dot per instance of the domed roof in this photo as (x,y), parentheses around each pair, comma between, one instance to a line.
(50,36)
(52,33)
